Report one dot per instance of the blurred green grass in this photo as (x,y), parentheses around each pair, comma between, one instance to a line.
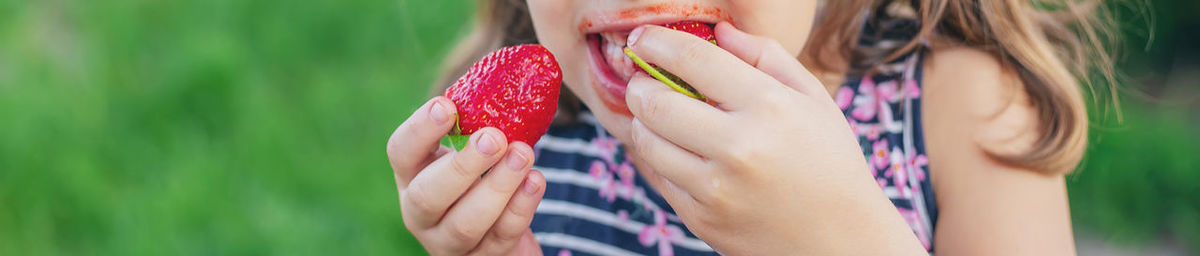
(257,127)
(209,126)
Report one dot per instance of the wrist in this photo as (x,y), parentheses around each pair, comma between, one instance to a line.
(858,219)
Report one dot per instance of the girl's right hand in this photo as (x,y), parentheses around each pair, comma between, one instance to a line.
(447,201)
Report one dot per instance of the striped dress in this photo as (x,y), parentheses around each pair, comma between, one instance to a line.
(597,204)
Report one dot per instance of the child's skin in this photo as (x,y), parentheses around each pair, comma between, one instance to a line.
(771,169)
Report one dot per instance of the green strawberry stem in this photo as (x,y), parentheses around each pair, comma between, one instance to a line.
(457,140)
(663,78)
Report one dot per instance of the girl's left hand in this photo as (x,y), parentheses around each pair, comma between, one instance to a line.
(771,167)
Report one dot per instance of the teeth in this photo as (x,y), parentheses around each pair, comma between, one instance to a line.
(611,46)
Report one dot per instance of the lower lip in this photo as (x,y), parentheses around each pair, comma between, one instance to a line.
(610,87)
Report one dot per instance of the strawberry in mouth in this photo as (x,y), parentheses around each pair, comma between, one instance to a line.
(610,65)
(614,64)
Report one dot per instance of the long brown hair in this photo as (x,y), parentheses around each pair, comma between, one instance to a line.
(1056,46)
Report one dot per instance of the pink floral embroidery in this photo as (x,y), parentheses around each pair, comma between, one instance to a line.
(598,170)
(608,190)
(626,175)
(879,111)
(865,107)
(661,233)
(886,121)
(564,252)
(844,98)
(916,162)
(607,146)
(873,102)
(898,173)
(871,131)
(879,155)
(911,89)
(887,91)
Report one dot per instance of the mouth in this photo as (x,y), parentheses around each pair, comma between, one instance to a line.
(611,68)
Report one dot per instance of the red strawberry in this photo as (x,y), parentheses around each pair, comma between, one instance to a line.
(702,30)
(514,89)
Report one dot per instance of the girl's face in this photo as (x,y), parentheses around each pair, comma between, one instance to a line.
(586,36)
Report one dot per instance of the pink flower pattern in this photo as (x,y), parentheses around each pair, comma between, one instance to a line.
(616,177)
(881,113)
(660,234)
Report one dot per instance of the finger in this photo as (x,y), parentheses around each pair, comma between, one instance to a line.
(685,169)
(769,56)
(478,210)
(514,222)
(441,183)
(711,70)
(687,122)
(415,143)
(528,245)
(401,184)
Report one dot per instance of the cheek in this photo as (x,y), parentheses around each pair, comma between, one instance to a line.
(552,20)
(549,18)
(787,21)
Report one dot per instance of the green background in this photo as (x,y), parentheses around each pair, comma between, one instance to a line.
(258,126)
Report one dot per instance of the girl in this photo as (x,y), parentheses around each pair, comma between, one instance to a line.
(849,127)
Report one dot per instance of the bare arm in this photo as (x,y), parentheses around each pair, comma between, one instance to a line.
(972,105)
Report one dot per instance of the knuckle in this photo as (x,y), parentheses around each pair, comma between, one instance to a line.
(463,234)
(651,104)
(771,43)
(416,201)
(395,150)
(741,156)
(691,51)
(393,146)
(506,234)
(775,100)
(643,146)
(460,168)
(641,143)
(497,186)
(521,214)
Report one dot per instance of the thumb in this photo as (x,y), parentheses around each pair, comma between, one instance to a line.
(768,56)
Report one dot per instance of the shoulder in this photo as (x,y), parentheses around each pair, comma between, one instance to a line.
(973,106)
(973,98)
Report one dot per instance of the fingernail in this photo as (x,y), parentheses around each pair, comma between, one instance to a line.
(438,112)
(634,35)
(515,160)
(487,144)
(530,187)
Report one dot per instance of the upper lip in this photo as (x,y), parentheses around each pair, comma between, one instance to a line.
(606,22)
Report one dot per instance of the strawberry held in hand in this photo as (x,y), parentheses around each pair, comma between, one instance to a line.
(514,89)
(701,30)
